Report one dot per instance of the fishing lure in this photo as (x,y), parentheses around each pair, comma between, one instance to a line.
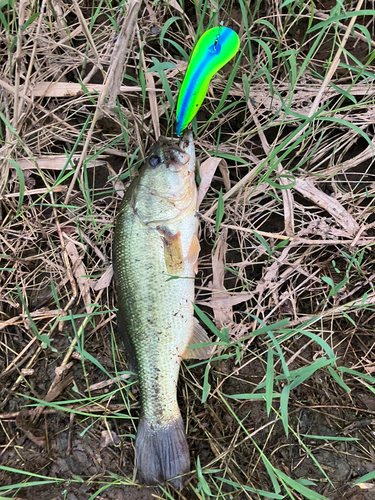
(214,49)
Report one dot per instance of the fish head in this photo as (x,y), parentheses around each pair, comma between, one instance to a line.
(166,184)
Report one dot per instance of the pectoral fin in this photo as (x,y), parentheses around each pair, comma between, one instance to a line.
(199,336)
(192,256)
(172,251)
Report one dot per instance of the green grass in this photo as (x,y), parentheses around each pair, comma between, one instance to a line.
(301,339)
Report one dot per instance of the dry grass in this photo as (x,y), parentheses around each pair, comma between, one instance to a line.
(287,280)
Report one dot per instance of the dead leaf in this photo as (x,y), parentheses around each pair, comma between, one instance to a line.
(151,92)
(175,5)
(366,486)
(222,309)
(206,172)
(31,192)
(104,280)
(271,275)
(109,438)
(117,184)
(59,383)
(27,371)
(224,170)
(307,189)
(38,440)
(79,272)
(231,299)
(58,162)
(107,383)
(64,89)
(288,202)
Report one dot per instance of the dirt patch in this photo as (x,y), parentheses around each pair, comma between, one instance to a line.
(287,402)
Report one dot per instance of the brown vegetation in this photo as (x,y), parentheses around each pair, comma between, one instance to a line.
(289,272)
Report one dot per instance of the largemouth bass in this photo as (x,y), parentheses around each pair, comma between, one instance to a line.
(155,259)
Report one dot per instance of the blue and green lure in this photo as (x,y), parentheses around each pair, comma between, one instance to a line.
(214,49)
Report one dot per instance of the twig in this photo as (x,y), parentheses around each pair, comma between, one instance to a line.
(120,56)
(286,193)
(30,192)
(111,85)
(87,33)
(331,71)
(18,58)
(32,57)
(151,92)
(334,64)
(355,33)
(335,311)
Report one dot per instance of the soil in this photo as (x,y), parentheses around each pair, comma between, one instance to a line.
(79,449)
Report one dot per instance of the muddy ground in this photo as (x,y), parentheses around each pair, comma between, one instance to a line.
(79,444)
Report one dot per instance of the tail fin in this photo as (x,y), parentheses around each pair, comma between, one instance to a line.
(162,453)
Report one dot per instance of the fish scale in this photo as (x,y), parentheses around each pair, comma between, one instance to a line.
(155,335)
(155,254)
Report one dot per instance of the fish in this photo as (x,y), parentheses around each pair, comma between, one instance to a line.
(155,258)
(214,49)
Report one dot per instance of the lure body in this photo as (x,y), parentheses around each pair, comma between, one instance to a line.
(214,49)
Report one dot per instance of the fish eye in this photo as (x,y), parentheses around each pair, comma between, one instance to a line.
(154,161)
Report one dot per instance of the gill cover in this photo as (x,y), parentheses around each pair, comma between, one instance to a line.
(214,49)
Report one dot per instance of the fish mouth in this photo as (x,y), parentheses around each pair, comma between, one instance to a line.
(177,157)
(182,156)
(186,144)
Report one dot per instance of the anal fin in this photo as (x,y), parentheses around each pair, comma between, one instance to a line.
(199,336)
